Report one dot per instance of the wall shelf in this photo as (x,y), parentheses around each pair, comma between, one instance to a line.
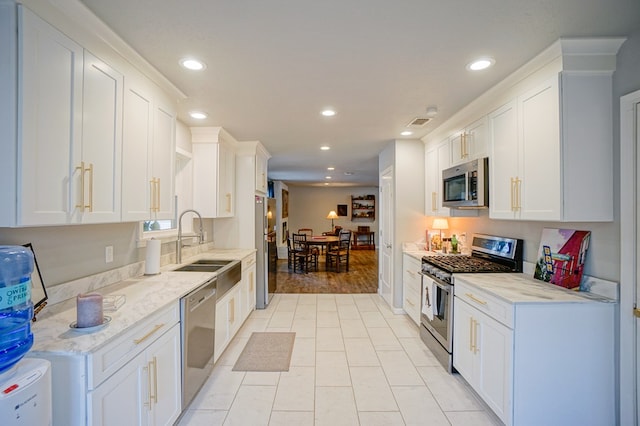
(363,207)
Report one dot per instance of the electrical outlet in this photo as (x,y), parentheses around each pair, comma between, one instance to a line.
(108,254)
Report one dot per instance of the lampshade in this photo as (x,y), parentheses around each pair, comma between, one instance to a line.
(332,215)
(440,223)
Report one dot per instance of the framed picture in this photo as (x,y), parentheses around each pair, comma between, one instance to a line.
(285,203)
(284,232)
(342,210)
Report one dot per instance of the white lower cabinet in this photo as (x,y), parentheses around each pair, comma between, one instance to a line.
(482,355)
(248,291)
(135,378)
(235,306)
(227,320)
(146,389)
(411,287)
(537,360)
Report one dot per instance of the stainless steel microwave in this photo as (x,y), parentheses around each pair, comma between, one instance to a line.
(466,186)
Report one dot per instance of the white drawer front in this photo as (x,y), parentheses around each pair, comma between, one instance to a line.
(248,261)
(108,359)
(496,308)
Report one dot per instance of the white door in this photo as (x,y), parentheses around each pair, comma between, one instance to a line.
(385,285)
(629,257)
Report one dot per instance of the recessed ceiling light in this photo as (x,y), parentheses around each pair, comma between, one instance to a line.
(331,168)
(192,64)
(198,115)
(328,112)
(325,147)
(327,177)
(480,64)
(406,133)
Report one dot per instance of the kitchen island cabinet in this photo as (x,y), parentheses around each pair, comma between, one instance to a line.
(534,352)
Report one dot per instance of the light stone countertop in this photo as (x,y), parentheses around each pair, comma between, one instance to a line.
(145,295)
(521,288)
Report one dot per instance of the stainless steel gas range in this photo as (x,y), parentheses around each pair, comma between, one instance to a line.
(488,254)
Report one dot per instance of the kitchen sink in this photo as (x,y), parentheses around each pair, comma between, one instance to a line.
(205,265)
(196,267)
(211,262)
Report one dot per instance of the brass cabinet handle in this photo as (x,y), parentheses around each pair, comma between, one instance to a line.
(519,193)
(434,207)
(475,337)
(148,402)
(81,168)
(228,202)
(158,195)
(470,334)
(90,170)
(155,380)
(146,336)
(475,299)
(232,311)
(152,195)
(409,302)
(513,195)
(251,281)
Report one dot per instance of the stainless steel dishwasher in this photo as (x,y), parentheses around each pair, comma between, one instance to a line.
(197,316)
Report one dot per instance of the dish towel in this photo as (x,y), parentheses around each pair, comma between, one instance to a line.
(427,292)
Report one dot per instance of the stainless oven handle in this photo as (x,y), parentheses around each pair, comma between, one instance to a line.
(437,281)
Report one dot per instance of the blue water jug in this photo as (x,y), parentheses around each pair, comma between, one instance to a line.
(16,308)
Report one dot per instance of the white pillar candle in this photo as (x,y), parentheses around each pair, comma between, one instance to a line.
(89,308)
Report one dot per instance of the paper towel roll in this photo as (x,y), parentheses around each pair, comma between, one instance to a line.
(152,262)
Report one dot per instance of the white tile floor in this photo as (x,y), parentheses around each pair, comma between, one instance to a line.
(354,362)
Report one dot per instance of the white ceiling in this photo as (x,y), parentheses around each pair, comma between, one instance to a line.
(272,66)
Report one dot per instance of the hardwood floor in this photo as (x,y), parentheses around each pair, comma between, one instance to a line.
(361,278)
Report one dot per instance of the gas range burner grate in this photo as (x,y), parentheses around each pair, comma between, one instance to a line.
(469,264)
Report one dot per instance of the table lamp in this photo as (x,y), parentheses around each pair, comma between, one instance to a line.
(332,215)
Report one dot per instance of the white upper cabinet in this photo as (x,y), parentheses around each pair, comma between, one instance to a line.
(469,144)
(436,159)
(525,148)
(97,169)
(214,169)
(50,126)
(262,159)
(548,135)
(148,158)
(551,152)
(65,112)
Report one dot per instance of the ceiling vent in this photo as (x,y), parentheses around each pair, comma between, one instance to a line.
(418,122)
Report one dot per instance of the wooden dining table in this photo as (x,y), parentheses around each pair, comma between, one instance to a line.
(323,241)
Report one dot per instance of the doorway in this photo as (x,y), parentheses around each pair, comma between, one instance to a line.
(629,257)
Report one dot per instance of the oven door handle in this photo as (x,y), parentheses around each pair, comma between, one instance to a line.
(437,281)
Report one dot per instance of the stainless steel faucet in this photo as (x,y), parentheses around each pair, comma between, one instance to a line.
(179,241)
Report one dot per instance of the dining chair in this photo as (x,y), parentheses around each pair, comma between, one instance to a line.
(307,231)
(303,257)
(339,253)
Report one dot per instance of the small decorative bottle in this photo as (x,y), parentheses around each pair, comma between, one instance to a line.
(454,244)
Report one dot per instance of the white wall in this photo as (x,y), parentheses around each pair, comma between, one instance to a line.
(309,206)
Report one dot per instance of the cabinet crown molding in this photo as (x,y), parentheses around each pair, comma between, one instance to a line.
(211,135)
